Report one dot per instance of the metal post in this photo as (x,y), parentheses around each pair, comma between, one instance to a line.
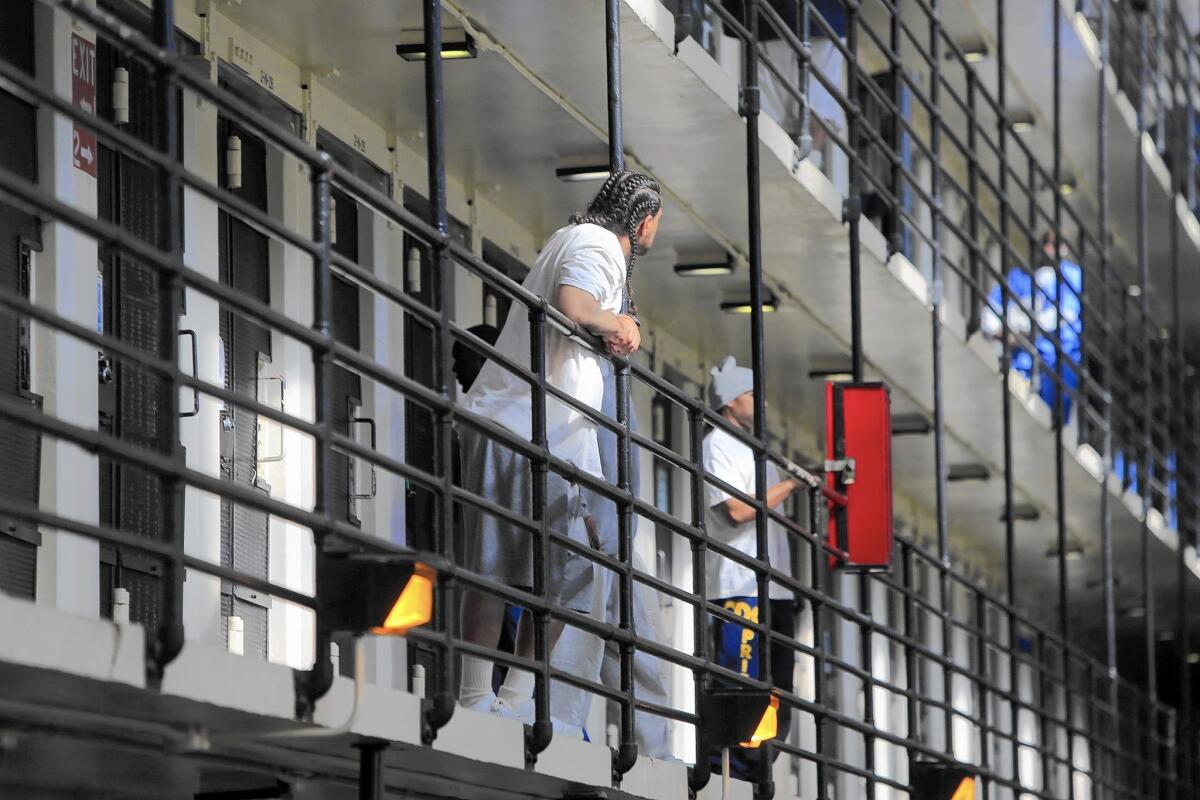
(897,177)
(612,52)
(939,411)
(442,707)
(911,635)
(312,684)
(1060,395)
(852,206)
(167,641)
(820,572)
(852,215)
(1106,544)
(539,739)
(626,756)
(750,108)
(370,769)
(982,687)
(1143,260)
(975,311)
(699,774)
(1010,552)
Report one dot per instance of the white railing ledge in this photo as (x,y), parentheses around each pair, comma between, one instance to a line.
(383,713)
(211,674)
(658,780)
(577,761)
(40,636)
(483,737)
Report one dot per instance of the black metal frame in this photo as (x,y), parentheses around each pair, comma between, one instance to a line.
(1070,685)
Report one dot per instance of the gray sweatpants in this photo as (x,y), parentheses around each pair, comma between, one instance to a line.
(589,656)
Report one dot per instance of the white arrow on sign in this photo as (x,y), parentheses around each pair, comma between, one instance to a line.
(85,153)
(86,106)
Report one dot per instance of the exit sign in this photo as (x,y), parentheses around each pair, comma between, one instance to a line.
(83,96)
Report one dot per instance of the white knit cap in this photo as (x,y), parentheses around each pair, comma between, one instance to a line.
(729,382)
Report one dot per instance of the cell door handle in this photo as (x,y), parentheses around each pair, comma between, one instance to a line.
(195,374)
(262,421)
(374,486)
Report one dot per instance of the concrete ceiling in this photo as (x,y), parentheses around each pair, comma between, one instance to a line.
(681,123)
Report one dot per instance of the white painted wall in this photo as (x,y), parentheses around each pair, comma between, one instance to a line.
(68,576)
(201,434)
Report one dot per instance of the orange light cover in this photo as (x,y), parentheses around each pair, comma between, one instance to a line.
(768,726)
(965,790)
(414,606)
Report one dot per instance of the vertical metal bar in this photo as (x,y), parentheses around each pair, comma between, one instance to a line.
(1060,397)
(982,684)
(370,769)
(939,412)
(974,312)
(1059,354)
(628,750)
(1143,256)
(1190,141)
(167,641)
(1010,551)
(1044,713)
(313,684)
(852,205)
(750,107)
(539,738)
(612,43)
(852,215)
(912,682)
(443,278)
(864,646)
(898,167)
(1106,543)
(626,756)
(699,774)
(820,572)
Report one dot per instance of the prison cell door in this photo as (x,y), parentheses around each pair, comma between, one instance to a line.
(347,385)
(245,358)
(128,309)
(19,238)
(420,343)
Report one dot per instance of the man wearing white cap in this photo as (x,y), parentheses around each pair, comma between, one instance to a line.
(731,521)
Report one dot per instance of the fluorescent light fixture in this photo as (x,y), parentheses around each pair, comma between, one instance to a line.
(1193,658)
(1023,512)
(1074,552)
(968,472)
(835,374)
(700,269)
(1133,290)
(911,424)
(587,172)
(1023,123)
(1136,612)
(457,45)
(769,306)
(975,52)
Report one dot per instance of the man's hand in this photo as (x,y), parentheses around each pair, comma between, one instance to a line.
(627,338)
(589,523)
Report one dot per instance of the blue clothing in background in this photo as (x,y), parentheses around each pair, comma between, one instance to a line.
(1070,331)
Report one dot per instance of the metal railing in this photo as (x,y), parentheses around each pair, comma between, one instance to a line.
(978,680)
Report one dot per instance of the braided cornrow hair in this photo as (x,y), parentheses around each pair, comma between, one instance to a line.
(624,200)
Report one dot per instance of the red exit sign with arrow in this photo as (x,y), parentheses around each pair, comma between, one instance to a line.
(83,95)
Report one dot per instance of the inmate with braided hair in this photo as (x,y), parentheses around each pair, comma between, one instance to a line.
(584,269)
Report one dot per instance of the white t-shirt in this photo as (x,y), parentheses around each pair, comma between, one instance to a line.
(587,257)
(732,461)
